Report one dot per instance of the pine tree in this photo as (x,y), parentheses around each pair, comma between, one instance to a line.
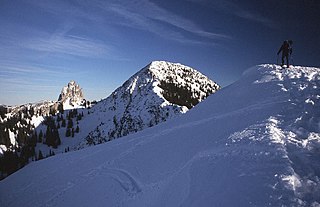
(49,136)
(40,156)
(56,140)
(9,162)
(52,134)
(72,132)
(52,111)
(60,108)
(31,111)
(68,132)
(40,136)
(7,138)
(70,123)
(33,139)
(63,124)
(77,129)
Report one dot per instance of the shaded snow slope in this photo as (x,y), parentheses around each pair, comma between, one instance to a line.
(254,143)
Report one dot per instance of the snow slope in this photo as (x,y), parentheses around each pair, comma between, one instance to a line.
(253,143)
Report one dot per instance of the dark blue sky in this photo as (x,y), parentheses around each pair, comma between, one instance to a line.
(100,44)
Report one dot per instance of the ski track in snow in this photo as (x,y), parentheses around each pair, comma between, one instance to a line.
(128,183)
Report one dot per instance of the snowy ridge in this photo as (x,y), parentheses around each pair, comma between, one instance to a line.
(156,93)
(210,156)
(295,130)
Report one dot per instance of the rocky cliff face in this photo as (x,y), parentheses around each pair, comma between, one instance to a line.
(71,95)
(17,123)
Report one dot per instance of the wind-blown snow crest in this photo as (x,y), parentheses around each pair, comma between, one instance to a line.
(295,130)
(253,143)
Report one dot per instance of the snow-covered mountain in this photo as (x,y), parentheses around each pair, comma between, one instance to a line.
(254,143)
(156,93)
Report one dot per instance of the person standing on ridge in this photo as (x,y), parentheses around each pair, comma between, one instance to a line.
(286,51)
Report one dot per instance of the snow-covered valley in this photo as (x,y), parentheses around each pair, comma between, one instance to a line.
(253,143)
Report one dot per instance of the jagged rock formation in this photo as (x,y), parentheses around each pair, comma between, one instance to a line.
(71,95)
(20,126)
(159,91)
(18,122)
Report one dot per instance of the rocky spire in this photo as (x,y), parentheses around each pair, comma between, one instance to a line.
(71,94)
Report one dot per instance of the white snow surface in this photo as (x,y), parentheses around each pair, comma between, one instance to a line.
(253,143)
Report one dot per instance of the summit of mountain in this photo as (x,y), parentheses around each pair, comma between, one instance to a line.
(71,96)
(159,91)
